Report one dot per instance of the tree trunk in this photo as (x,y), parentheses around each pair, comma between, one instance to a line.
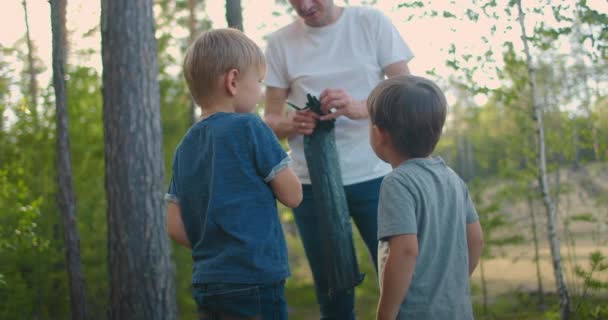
(543,181)
(484,289)
(66,202)
(192,35)
(141,271)
(539,279)
(33,84)
(234,14)
(470,158)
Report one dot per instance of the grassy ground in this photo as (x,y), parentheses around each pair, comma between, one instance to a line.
(510,275)
(300,287)
(510,282)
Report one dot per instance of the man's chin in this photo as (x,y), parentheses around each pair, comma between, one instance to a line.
(314,22)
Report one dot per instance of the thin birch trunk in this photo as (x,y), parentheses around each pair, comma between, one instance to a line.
(542,176)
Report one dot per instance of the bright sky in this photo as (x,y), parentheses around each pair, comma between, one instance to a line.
(428,38)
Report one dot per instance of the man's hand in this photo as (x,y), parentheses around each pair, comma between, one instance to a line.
(303,122)
(336,102)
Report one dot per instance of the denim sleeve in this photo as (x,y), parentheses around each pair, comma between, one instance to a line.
(396,209)
(269,156)
(172,194)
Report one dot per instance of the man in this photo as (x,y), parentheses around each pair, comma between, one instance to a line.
(338,54)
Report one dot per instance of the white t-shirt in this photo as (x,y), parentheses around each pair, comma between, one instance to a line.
(349,54)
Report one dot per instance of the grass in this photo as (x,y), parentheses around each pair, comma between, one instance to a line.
(300,287)
(511,285)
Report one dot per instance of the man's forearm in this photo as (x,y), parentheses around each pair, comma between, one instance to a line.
(362,110)
(396,281)
(280,125)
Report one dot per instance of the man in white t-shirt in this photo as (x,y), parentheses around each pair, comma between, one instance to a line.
(338,54)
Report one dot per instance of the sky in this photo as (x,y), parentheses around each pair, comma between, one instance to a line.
(428,38)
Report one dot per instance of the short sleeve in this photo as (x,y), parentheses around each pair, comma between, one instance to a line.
(269,156)
(470,209)
(276,73)
(396,209)
(172,194)
(391,46)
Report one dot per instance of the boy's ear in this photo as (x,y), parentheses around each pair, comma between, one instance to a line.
(231,81)
(382,134)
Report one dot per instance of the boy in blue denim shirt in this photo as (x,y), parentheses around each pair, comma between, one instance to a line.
(228,171)
(430,237)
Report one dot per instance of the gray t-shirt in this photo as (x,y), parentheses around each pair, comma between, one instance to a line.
(423,196)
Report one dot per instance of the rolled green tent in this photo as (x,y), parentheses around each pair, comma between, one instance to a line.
(331,207)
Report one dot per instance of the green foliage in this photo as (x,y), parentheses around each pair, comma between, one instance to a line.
(595,279)
(18,227)
(487,141)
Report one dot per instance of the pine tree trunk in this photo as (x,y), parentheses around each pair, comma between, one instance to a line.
(66,202)
(141,270)
(543,181)
(191,37)
(234,14)
(33,84)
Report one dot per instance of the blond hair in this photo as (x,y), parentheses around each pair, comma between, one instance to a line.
(214,53)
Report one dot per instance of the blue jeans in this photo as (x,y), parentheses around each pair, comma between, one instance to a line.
(362,201)
(228,301)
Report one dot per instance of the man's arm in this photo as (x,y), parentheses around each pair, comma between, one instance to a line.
(398,272)
(175,225)
(475,244)
(399,68)
(283,125)
(342,103)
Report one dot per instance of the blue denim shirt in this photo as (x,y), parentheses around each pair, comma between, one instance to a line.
(221,171)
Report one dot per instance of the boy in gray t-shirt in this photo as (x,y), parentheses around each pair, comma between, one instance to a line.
(430,237)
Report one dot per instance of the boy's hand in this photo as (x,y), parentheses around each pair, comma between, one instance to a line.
(175,225)
(397,275)
(475,244)
(336,102)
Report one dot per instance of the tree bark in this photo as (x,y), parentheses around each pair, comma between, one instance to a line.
(484,289)
(542,177)
(141,271)
(191,37)
(539,279)
(66,202)
(33,84)
(234,14)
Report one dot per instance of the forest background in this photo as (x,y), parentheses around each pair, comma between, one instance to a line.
(542,195)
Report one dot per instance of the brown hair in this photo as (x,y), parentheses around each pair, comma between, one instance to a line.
(412,110)
(214,53)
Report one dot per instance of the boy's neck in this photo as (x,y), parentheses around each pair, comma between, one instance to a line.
(213,107)
(395,159)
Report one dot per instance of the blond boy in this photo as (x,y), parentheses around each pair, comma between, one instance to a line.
(228,171)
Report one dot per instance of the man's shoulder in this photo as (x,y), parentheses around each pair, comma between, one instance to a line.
(365,13)
(285,32)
